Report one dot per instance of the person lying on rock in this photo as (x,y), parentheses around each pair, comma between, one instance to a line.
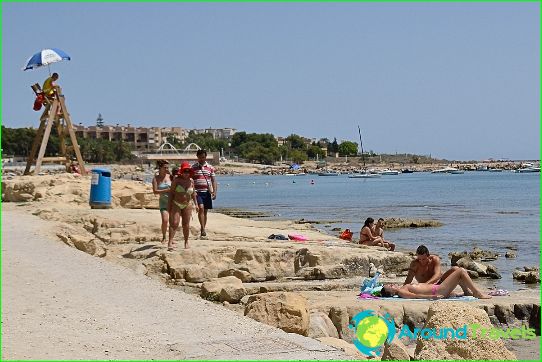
(435,291)
(426,269)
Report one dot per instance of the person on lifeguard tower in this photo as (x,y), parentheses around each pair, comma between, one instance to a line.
(49,86)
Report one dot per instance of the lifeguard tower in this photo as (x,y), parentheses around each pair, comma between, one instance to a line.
(55,113)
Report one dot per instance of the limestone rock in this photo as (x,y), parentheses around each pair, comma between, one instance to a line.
(532,278)
(229,289)
(510,255)
(241,274)
(287,311)
(444,314)
(469,264)
(339,316)
(504,313)
(344,346)
(89,245)
(415,317)
(321,326)
(395,351)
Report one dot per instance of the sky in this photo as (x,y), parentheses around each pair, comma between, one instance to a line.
(459,81)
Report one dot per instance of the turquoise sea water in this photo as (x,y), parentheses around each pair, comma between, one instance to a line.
(484,209)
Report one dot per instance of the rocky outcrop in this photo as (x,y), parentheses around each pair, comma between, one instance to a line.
(455,315)
(478,269)
(227,289)
(530,275)
(344,346)
(395,351)
(321,326)
(287,311)
(476,254)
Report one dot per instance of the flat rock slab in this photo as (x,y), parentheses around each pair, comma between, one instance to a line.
(60,303)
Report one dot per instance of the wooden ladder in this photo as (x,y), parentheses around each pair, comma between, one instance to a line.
(55,113)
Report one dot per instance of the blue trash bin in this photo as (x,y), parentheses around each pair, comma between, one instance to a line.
(100,189)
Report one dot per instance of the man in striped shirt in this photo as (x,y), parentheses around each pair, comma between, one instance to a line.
(205,184)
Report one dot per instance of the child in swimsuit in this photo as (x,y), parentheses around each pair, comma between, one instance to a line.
(181,193)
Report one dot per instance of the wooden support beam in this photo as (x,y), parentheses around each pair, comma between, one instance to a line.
(55,113)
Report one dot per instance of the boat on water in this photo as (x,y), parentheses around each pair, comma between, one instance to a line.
(387,171)
(328,173)
(406,170)
(494,170)
(451,170)
(527,170)
(364,173)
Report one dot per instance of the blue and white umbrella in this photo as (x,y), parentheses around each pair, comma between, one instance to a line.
(46,57)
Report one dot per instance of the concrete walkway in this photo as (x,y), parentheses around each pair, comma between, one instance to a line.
(60,303)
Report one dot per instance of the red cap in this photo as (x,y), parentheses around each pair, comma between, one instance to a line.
(184,166)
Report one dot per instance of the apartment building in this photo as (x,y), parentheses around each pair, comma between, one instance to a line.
(218,133)
(142,138)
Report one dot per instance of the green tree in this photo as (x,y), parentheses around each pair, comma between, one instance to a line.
(314,150)
(348,148)
(333,147)
(298,156)
(295,142)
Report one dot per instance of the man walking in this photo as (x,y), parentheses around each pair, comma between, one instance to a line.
(205,183)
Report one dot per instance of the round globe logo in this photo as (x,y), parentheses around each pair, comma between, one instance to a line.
(372,331)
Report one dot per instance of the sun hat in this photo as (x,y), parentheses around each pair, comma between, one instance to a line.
(184,166)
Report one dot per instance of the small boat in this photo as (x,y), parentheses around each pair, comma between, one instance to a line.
(527,170)
(387,171)
(451,170)
(406,170)
(328,173)
(363,175)
(494,170)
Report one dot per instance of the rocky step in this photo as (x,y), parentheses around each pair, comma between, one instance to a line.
(518,308)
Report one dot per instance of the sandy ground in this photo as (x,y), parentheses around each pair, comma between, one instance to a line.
(60,303)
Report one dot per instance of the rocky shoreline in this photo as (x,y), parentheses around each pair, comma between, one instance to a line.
(238,266)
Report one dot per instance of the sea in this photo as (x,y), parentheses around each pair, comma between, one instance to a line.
(489,210)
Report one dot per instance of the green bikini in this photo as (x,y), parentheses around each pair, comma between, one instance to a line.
(189,192)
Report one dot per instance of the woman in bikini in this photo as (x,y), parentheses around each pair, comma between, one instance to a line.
(435,291)
(366,236)
(160,186)
(180,207)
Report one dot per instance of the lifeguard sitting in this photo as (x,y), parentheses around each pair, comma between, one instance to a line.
(49,86)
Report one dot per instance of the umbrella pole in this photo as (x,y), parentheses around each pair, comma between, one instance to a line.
(49,68)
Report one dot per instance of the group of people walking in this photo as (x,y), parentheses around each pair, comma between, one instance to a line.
(187,188)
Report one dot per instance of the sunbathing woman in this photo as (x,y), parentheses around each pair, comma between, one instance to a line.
(180,207)
(435,291)
(366,236)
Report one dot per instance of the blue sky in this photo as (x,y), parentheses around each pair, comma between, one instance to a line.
(455,80)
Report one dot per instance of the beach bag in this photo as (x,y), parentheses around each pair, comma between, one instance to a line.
(346,235)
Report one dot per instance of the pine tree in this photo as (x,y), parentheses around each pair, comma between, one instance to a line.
(99,120)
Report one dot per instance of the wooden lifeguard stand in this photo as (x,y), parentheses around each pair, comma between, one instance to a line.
(55,113)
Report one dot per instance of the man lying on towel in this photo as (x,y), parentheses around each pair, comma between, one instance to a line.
(435,291)
(426,269)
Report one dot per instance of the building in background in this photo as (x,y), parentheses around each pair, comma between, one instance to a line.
(217,133)
(142,138)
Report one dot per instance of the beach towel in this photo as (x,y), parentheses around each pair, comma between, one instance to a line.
(464,298)
(499,293)
(298,237)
